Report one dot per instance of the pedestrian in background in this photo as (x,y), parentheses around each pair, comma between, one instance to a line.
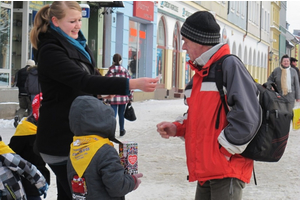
(118,102)
(294,66)
(32,85)
(133,65)
(286,80)
(66,70)
(24,98)
(214,141)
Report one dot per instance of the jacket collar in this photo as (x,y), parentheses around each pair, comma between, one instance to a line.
(202,64)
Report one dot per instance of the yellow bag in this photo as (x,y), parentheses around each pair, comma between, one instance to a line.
(296,118)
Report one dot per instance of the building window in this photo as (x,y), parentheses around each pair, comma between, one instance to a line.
(161,46)
(238,12)
(4,37)
(4,79)
(137,49)
(242,9)
(5,29)
(161,33)
(175,57)
(232,6)
(268,22)
(263,19)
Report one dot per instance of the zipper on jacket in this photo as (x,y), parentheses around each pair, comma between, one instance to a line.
(10,191)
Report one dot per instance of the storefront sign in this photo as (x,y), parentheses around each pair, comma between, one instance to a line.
(144,10)
(171,6)
(185,13)
(175,8)
(85,10)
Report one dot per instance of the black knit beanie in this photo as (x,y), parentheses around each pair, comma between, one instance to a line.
(202,28)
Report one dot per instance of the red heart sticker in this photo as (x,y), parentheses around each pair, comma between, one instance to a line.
(132,159)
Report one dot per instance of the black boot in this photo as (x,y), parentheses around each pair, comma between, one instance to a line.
(122,132)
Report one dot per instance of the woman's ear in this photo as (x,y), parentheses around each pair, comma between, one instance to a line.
(55,21)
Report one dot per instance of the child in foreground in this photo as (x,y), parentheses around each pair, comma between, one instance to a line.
(94,168)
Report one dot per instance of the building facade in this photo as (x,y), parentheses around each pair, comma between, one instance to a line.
(149,31)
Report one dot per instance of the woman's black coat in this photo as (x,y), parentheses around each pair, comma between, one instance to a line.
(64,73)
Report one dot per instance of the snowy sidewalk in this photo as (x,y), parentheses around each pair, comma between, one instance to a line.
(162,161)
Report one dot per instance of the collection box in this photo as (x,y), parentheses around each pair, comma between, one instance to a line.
(128,152)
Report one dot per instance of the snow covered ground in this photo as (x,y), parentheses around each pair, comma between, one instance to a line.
(162,161)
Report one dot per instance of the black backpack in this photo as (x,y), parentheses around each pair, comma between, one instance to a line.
(32,84)
(269,143)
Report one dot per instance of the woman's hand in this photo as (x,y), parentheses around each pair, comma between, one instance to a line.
(145,84)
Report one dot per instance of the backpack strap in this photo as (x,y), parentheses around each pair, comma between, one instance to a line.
(219,84)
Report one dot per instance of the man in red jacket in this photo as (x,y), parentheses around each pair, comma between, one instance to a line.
(213,152)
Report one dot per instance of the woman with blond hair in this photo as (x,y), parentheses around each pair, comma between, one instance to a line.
(66,70)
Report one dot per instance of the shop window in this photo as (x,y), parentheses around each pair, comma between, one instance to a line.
(5,21)
(161,47)
(4,79)
(137,49)
(16,42)
(4,37)
(175,64)
(161,33)
(160,64)
(18,4)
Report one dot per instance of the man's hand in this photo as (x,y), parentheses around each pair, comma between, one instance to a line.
(166,129)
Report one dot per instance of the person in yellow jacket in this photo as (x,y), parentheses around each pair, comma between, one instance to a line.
(22,143)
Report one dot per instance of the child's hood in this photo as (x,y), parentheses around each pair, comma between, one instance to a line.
(90,116)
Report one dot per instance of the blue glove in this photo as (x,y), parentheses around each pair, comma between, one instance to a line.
(43,190)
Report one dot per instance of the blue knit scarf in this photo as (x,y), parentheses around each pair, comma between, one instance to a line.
(79,43)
